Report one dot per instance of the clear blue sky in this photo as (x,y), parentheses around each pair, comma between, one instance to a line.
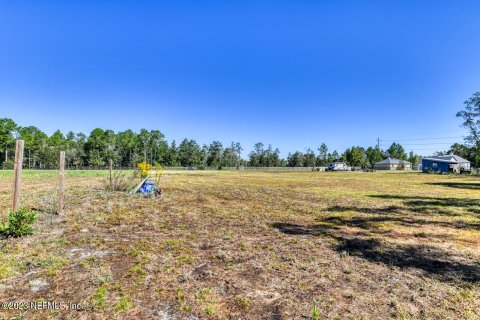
(290,73)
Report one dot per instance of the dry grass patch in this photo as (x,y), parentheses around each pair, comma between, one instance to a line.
(252,245)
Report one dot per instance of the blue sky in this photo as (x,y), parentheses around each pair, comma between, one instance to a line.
(290,73)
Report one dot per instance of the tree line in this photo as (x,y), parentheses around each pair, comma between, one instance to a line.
(127,148)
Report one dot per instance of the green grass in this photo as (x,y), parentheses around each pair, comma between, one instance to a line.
(98,298)
(123,305)
(54,173)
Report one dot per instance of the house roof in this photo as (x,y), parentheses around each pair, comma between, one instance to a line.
(452,157)
(440,160)
(393,161)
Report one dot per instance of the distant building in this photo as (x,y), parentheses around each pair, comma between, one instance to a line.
(393,164)
(444,164)
(338,166)
(419,165)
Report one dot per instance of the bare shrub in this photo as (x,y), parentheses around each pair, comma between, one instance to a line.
(121,181)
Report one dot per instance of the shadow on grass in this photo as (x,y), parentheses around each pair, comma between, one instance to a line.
(458,185)
(392,214)
(443,265)
(413,212)
(434,205)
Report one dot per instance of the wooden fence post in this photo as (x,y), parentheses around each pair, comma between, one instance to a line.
(110,165)
(61,189)
(17,175)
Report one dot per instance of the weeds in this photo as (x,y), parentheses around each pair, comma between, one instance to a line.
(7,268)
(243,303)
(121,181)
(52,264)
(98,298)
(158,174)
(48,202)
(123,305)
(19,223)
(315,313)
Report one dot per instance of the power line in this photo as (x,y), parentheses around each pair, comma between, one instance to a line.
(421,139)
(427,144)
(428,150)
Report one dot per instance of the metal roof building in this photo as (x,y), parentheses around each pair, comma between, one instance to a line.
(393,164)
(444,164)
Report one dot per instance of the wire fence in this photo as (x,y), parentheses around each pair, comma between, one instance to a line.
(184,168)
(250,168)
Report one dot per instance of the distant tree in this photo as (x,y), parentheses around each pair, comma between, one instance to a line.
(34,141)
(295,159)
(355,156)
(261,157)
(413,158)
(154,144)
(110,141)
(471,118)
(270,157)
(127,142)
(70,137)
(189,153)
(231,155)
(172,155)
(161,154)
(322,159)
(95,158)
(215,153)
(74,152)
(374,155)
(256,156)
(227,157)
(55,143)
(334,156)
(80,141)
(8,129)
(467,152)
(471,121)
(57,140)
(237,150)
(144,137)
(460,149)
(397,151)
(95,147)
(204,154)
(309,158)
(439,153)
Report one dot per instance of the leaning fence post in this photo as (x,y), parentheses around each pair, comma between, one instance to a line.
(61,189)
(17,175)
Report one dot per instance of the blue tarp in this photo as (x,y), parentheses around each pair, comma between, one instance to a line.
(148,187)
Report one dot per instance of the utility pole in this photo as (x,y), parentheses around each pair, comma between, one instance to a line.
(378,143)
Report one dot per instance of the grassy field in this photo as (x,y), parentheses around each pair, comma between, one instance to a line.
(250,245)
